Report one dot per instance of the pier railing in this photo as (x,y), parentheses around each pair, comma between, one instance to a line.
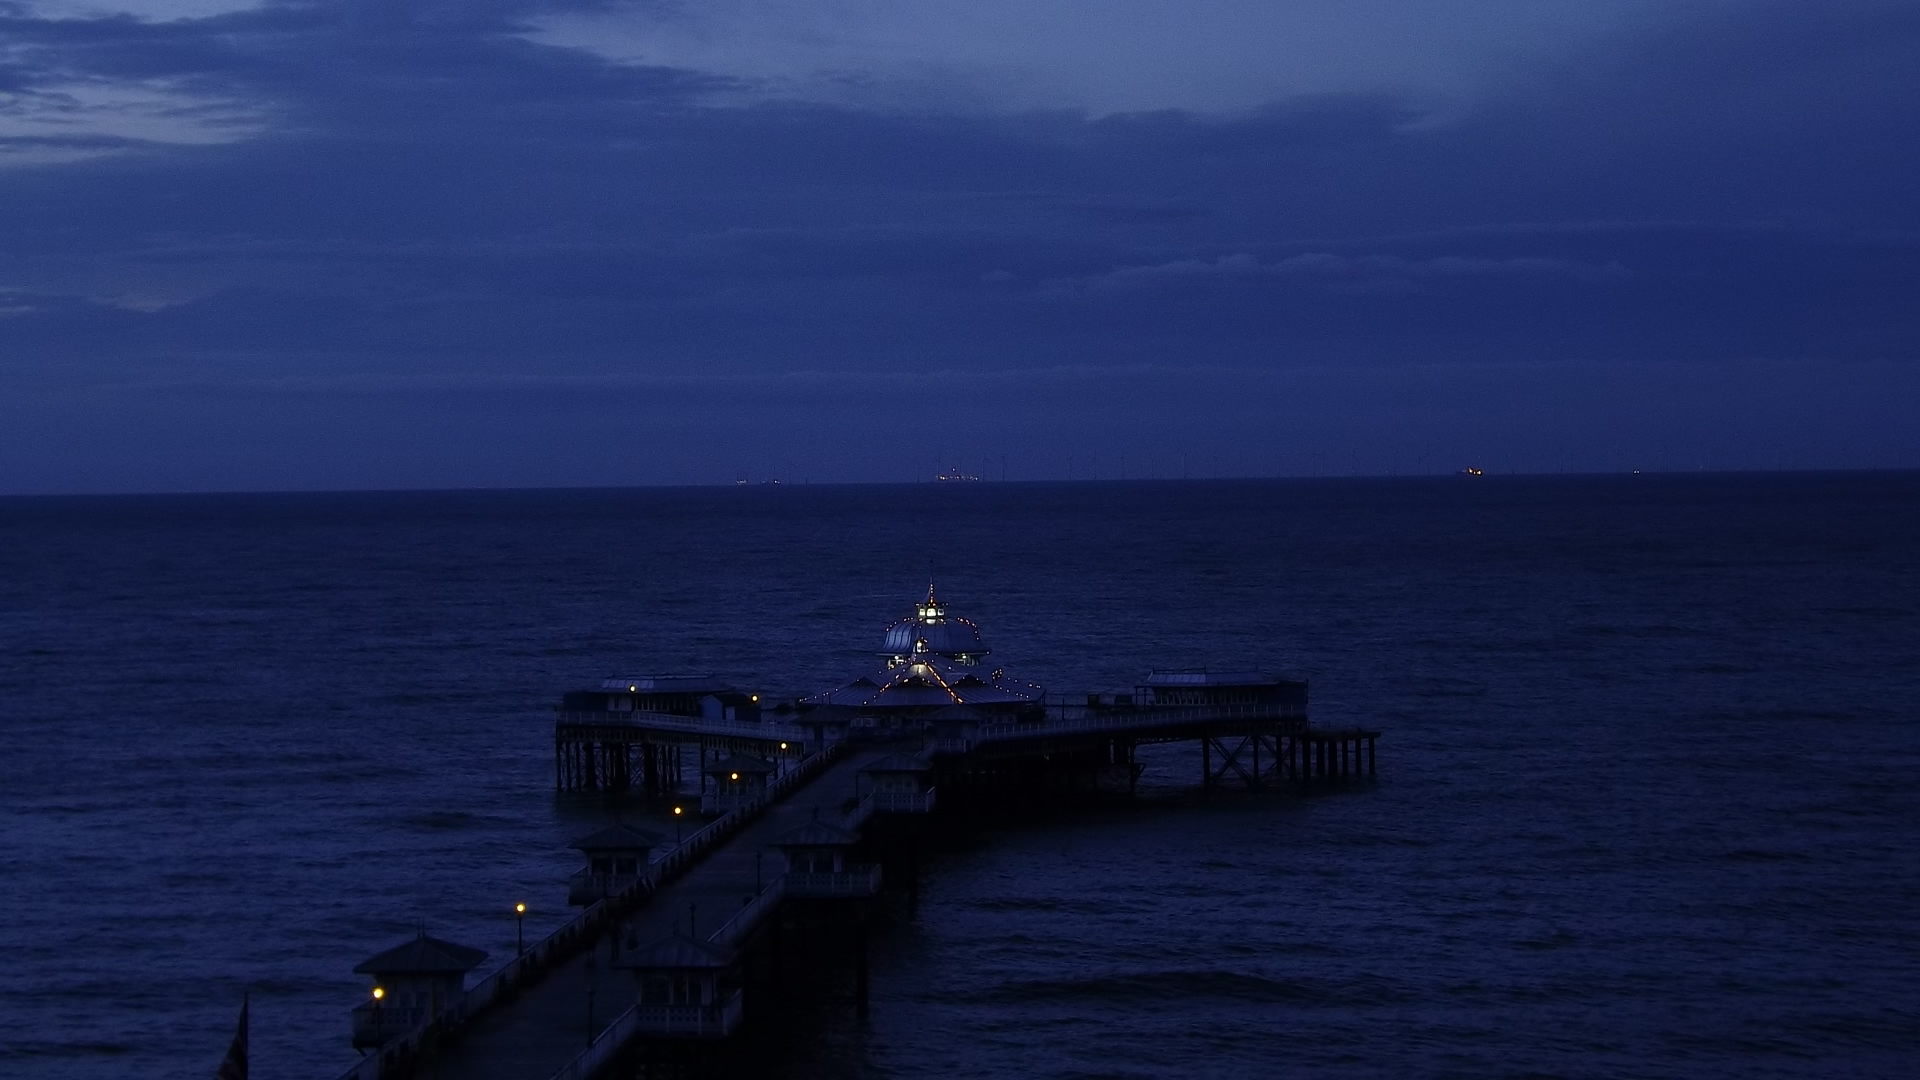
(735,930)
(770,731)
(831,885)
(720,1018)
(1086,719)
(401,1053)
(891,802)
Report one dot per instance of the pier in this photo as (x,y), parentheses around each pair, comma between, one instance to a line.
(662,954)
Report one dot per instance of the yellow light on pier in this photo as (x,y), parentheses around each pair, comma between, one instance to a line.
(783,746)
(676,811)
(519,909)
(379,992)
(733,776)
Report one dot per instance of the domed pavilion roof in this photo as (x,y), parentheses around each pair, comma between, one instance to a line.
(931,630)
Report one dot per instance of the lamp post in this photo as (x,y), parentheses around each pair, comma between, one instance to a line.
(520,928)
(676,826)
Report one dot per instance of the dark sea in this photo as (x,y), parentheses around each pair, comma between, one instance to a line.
(1648,804)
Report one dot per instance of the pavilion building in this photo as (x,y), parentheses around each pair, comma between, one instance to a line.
(934,660)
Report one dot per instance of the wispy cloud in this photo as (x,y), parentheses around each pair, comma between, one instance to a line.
(1323,266)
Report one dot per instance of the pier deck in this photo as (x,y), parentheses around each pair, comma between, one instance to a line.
(540,1032)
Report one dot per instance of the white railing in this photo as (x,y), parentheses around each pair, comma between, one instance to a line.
(549,952)
(901,802)
(697,1020)
(827,885)
(585,886)
(735,930)
(1117,719)
(687,1020)
(890,802)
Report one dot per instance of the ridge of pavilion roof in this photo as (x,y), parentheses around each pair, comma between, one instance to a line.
(423,956)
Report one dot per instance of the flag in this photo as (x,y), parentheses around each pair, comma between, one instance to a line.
(235,1066)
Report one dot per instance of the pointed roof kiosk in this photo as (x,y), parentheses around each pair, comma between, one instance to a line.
(738,781)
(616,858)
(896,784)
(685,988)
(952,728)
(411,982)
(819,866)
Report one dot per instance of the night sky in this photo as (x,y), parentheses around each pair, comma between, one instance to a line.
(400,243)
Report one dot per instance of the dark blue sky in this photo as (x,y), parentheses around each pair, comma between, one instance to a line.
(491,242)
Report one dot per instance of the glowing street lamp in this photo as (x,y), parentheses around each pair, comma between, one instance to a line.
(676,826)
(520,928)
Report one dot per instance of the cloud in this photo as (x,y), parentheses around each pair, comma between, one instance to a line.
(1100,56)
(1322,265)
(309,194)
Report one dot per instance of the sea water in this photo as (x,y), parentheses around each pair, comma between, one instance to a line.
(1648,798)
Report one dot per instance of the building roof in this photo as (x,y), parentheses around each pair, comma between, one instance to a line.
(816,834)
(618,837)
(900,763)
(423,956)
(739,763)
(676,953)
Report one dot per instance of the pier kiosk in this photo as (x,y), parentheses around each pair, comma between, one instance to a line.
(895,784)
(738,781)
(616,857)
(685,989)
(410,983)
(818,867)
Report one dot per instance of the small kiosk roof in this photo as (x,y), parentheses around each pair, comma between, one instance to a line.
(423,956)
(677,953)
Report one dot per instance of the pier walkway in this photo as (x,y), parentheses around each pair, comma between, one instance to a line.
(539,1033)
